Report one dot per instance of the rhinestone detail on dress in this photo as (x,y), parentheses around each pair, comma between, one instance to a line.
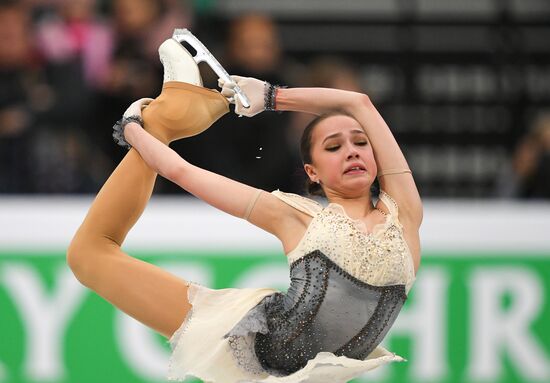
(300,325)
(379,258)
(373,270)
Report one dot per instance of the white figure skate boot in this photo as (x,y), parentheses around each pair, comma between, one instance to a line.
(184,108)
(178,63)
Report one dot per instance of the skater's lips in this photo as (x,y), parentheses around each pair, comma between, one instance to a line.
(355,167)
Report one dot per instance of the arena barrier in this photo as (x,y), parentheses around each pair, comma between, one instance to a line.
(479,311)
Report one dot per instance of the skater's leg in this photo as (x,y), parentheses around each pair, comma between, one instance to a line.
(146,292)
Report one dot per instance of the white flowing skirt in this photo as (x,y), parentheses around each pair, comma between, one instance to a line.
(201,350)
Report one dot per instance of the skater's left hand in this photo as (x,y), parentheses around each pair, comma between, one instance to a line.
(253,88)
(136,107)
(134,111)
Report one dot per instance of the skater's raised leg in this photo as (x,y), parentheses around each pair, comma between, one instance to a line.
(144,291)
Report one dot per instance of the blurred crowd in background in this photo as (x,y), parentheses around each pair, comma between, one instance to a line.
(69,69)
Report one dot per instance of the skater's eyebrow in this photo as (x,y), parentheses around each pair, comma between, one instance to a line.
(332,136)
(335,135)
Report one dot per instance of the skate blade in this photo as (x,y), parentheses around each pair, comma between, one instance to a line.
(204,55)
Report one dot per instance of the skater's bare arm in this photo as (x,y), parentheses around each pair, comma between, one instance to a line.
(235,198)
(398,181)
(389,157)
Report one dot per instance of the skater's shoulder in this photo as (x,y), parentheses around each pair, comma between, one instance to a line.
(302,203)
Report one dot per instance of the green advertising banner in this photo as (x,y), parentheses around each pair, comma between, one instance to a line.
(472,316)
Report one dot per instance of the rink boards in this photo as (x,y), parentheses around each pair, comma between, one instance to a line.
(479,310)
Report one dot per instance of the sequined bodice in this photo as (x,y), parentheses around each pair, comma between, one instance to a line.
(379,258)
(324,309)
(347,288)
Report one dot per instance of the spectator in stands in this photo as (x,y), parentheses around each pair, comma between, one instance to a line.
(531,163)
(76,36)
(335,72)
(22,94)
(75,46)
(174,14)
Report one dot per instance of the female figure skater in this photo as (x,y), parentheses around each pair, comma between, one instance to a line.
(352,262)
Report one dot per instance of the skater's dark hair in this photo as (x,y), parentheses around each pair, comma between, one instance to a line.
(312,188)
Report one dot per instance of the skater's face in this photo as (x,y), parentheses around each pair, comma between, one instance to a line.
(341,157)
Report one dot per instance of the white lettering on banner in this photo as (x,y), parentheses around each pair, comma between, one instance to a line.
(140,347)
(45,316)
(425,321)
(495,329)
(139,344)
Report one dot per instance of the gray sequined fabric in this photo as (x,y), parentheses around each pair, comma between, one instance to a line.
(325,309)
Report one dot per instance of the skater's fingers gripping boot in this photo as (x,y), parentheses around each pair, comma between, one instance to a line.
(132,114)
(228,90)
(253,88)
(135,108)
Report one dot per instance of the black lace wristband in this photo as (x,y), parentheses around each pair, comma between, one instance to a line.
(118,130)
(270,100)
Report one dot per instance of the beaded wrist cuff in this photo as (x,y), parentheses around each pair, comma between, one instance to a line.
(270,100)
(118,130)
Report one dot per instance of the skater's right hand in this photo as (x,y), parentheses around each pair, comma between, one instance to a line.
(253,88)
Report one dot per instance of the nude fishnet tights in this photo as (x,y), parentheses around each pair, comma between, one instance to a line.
(144,291)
